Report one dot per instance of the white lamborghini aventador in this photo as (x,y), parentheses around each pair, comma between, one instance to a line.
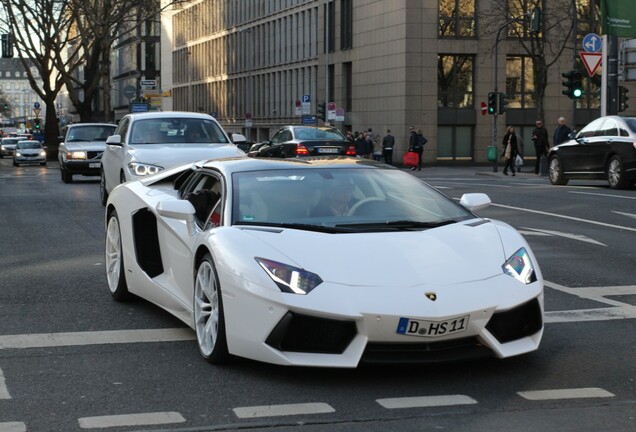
(323,262)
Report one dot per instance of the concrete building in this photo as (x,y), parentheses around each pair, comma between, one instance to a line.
(388,64)
(18,95)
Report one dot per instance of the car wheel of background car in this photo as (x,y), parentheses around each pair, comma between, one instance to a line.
(208,313)
(555,170)
(66,176)
(115,260)
(103,195)
(615,176)
(362,203)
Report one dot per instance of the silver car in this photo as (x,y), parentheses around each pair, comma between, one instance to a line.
(7,146)
(81,148)
(29,152)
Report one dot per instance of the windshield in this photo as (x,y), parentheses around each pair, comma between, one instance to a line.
(342,197)
(177,130)
(90,133)
(29,145)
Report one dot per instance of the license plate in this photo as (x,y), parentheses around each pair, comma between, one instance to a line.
(94,164)
(413,327)
(327,150)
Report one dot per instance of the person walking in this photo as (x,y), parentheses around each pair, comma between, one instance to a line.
(562,132)
(360,144)
(419,148)
(541,144)
(387,147)
(510,150)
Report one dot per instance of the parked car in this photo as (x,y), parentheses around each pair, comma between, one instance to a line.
(81,148)
(323,261)
(29,152)
(605,149)
(7,146)
(293,141)
(146,143)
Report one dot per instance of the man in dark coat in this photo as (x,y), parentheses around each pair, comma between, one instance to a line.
(562,132)
(541,144)
(387,147)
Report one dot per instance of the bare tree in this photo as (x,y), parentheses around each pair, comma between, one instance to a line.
(545,47)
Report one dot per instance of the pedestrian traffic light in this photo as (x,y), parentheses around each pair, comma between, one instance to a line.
(322,113)
(622,98)
(492,103)
(502,103)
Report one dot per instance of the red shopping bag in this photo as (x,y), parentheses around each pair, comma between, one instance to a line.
(410,159)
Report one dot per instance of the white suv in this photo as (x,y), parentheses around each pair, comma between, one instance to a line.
(146,143)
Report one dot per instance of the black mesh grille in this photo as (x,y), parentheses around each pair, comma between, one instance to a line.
(428,352)
(303,333)
(517,323)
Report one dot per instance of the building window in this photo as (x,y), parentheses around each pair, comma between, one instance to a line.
(455,81)
(455,143)
(346,24)
(330,39)
(521,9)
(457,18)
(520,82)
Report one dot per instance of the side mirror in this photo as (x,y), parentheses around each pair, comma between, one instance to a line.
(475,201)
(238,138)
(114,140)
(178,209)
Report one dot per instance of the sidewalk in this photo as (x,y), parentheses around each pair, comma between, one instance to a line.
(474,169)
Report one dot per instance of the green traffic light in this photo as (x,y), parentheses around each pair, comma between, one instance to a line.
(577,93)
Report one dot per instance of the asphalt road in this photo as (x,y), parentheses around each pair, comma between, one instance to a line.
(71,359)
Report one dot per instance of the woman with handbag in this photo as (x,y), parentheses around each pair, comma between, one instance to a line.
(510,150)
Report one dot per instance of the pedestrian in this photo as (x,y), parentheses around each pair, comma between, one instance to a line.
(368,154)
(360,144)
(541,144)
(562,132)
(417,142)
(387,147)
(377,149)
(510,150)
(349,136)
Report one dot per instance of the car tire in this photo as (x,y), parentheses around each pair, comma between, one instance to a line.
(114,259)
(555,172)
(615,174)
(103,195)
(209,320)
(66,176)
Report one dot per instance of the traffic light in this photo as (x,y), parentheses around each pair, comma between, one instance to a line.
(36,123)
(322,112)
(502,103)
(568,83)
(492,103)
(5,106)
(622,98)
(536,20)
(577,85)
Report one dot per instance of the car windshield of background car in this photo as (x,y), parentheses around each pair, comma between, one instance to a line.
(292,195)
(173,131)
(29,145)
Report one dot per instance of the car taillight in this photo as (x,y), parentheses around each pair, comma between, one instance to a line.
(301,150)
(351,151)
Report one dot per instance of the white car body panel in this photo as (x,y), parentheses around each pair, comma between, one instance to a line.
(461,263)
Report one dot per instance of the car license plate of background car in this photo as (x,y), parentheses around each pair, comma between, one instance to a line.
(328,150)
(94,164)
(413,327)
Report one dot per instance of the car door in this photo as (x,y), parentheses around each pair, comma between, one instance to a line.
(205,192)
(594,158)
(113,156)
(282,145)
(575,153)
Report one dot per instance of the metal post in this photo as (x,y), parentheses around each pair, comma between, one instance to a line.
(326,58)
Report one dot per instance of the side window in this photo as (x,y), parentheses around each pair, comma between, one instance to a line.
(122,128)
(278,137)
(609,128)
(590,129)
(205,192)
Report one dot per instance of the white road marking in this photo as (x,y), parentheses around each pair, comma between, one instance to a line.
(567,235)
(141,419)
(13,427)
(283,410)
(99,337)
(426,401)
(620,227)
(603,195)
(533,233)
(4,391)
(579,393)
(625,214)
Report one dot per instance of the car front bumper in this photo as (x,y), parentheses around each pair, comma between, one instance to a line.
(84,167)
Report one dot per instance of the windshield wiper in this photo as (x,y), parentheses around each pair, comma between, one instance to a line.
(395,225)
(300,226)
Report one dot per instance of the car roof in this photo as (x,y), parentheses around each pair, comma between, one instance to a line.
(91,124)
(29,141)
(240,164)
(167,114)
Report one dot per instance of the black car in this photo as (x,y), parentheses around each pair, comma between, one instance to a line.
(605,149)
(294,141)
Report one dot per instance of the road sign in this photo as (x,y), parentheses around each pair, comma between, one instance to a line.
(148,83)
(591,60)
(36,105)
(592,43)
(36,111)
(310,120)
(297,108)
(331,111)
(340,114)
(306,104)
(139,107)
(484,108)
(130,91)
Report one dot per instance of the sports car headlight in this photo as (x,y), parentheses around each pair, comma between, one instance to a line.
(520,267)
(76,155)
(140,169)
(289,279)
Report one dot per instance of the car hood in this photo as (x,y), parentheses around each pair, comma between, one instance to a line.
(168,155)
(86,146)
(446,255)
